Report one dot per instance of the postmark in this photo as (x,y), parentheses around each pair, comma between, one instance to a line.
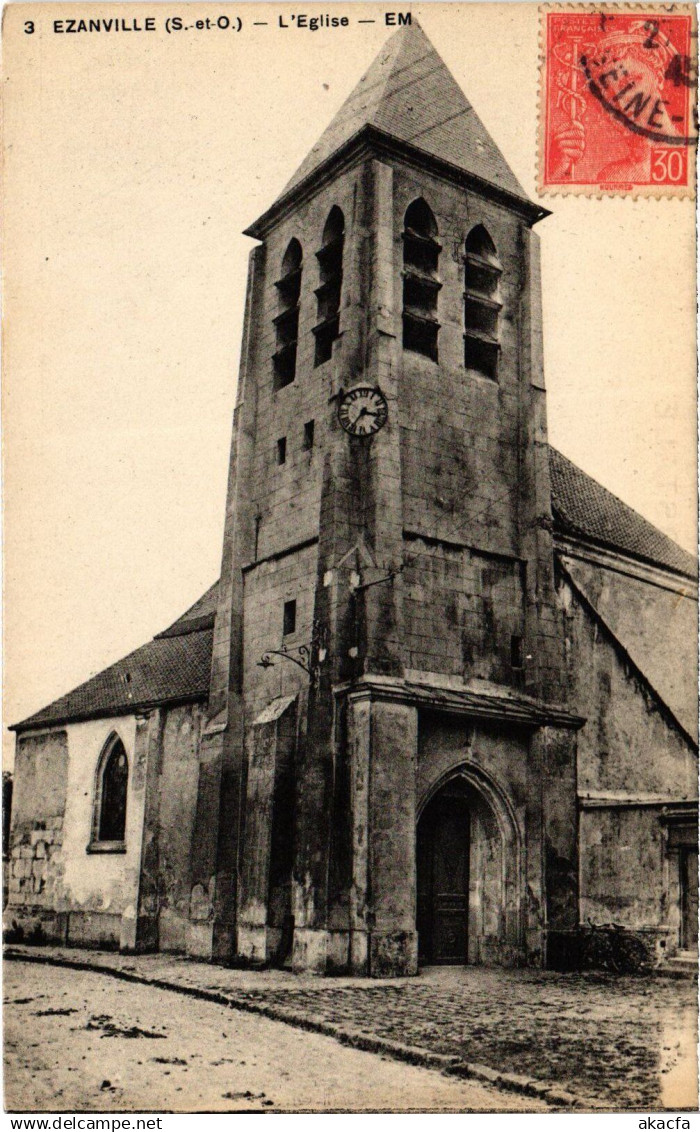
(618,100)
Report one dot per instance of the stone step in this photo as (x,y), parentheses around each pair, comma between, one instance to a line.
(684,964)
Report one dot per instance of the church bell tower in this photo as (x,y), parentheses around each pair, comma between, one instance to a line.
(387,770)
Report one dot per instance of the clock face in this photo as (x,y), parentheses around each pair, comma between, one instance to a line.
(363,410)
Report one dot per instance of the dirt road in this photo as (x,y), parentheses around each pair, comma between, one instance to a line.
(80,1041)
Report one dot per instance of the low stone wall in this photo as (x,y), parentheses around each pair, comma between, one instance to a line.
(606,947)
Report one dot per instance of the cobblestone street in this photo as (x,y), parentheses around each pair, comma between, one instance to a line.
(625,1043)
(613,1040)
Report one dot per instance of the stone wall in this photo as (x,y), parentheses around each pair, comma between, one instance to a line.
(59,890)
(630,743)
(623,865)
(464,612)
(177,797)
(634,763)
(460,430)
(35,867)
(60,886)
(474,487)
(267,587)
(287,496)
(97,888)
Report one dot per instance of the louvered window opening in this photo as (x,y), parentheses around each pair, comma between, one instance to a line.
(287,320)
(330,260)
(482,307)
(421,285)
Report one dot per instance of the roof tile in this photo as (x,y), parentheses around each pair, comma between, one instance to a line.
(582,506)
(169,669)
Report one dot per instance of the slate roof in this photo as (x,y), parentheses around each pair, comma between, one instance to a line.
(174,666)
(409,93)
(198,616)
(581,506)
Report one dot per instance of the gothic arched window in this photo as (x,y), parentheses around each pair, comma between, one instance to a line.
(287,320)
(109,821)
(421,284)
(330,259)
(482,306)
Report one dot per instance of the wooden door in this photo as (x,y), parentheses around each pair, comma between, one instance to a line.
(443,881)
(689,898)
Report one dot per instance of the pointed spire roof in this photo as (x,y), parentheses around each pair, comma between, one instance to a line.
(409,94)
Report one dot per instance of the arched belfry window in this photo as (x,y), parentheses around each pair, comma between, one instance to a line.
(330,259)
(482,306)
(287,320)
(421,252)
(112,779)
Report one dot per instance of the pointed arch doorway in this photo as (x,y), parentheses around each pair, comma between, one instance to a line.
(443,876)
(468,874)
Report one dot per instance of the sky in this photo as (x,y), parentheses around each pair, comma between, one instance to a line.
(133,162)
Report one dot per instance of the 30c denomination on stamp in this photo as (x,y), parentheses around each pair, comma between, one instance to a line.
(617,111)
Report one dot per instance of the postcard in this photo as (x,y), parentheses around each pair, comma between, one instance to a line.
(350,559)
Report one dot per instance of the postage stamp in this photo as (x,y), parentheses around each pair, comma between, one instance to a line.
(618,105)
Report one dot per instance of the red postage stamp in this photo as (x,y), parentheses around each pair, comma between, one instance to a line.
(617,112)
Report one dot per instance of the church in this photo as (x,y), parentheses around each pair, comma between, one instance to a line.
(440,706)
